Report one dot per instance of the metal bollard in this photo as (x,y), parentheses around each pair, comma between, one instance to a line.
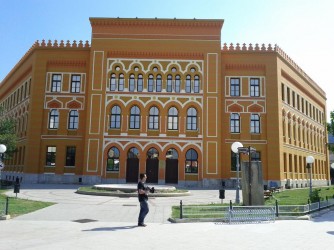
(181,214)
(7,202)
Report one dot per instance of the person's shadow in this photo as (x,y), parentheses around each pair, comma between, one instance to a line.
(109,228)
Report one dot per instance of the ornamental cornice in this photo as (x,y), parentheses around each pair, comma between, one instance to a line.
(67,63)
(184,23)
(258,67)
(161,55)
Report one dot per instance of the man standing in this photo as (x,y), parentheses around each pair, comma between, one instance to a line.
(143,199)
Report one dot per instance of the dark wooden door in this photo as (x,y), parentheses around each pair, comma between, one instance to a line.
(132,170)
(152,170)
(172,169)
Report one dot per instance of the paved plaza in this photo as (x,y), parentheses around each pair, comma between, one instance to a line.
(105,222)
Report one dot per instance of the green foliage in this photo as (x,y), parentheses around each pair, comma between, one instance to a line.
(7,132)
(315,195)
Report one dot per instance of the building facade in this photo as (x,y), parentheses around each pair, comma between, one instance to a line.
(162,96)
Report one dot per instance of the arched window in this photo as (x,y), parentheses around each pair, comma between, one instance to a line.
(177,84)
(121,82)
(172,154)
(191,119)
(140,83)
(191,161)
(150,84)
(113,160)
(133,153)
(169,83)
(235,123)
(112,85)
(196,84)
(73,120)
(54,119)
(153,119)
(115,117)
(152,153)
(134,118)
(158,87)
(188,84)
(255,124)
(132,83)
(173,119)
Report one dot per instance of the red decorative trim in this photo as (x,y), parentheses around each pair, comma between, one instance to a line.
(66,63)
(245,67)
(160,55)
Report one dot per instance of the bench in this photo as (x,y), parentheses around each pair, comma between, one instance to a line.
(267,194)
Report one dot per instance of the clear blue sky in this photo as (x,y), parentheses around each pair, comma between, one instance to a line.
(304,29)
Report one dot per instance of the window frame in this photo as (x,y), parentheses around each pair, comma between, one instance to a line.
(56,83)
(153,119)
(77,83)
(255,126)
(53,119)
(235,123)
(173,119)
(73,119)
(70,156)
(115,117)
(234,86)
(192,119)
(134,121)
(255,87)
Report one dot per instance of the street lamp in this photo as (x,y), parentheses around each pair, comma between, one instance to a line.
(3,149)
(309,161)
(235,148)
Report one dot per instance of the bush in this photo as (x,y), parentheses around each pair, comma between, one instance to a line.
(315,196)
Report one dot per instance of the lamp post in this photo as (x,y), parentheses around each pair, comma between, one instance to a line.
(3,149)
(309,161)
(235,148)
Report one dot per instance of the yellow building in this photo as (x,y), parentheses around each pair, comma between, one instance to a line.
(162,96)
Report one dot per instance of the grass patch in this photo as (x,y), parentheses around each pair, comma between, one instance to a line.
(19,206)
(287,197)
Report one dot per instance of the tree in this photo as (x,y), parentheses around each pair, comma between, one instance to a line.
(7,132)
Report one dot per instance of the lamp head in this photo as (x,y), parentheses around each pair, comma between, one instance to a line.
(235,146)
(3,148)
(309,159)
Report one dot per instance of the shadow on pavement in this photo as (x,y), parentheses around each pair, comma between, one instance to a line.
(109,228)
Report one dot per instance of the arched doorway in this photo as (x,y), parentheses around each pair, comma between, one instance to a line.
(172,166)
(132,165)
(152,166)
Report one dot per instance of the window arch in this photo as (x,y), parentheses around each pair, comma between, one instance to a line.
(133,153)
(73,120)
(169,83)
(191,119)
(112,85)
(54,119)
(152,153)
(255,123)
(188,84)
(113,160)
(235,123)
(172,154)
(150,83)
(140,83)
(115,118)
(173,119)
(132,86)
(158,86)
(191,161)
(135,118)
(121,82)
(196,84)
(153,119)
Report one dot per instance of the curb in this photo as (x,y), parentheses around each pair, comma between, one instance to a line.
(119,194)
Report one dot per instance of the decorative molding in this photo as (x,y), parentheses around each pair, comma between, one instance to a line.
(252,67)
(154,55)
(66,63)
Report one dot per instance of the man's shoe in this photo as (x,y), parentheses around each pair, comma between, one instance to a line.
(141,225)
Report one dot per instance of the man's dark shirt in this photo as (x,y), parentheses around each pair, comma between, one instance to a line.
(142,197)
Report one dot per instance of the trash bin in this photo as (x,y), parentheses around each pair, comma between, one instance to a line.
(16,188)
(222,194)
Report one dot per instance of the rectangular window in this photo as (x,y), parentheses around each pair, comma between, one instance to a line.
(70,156)
(293,99)
(283,92)
(56,82)
(75,83)
(51,156)
(256,156)
(298,102)
(255,123)
(234,87)
(233,161)
(254,87)
(302,105)
(288,95)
